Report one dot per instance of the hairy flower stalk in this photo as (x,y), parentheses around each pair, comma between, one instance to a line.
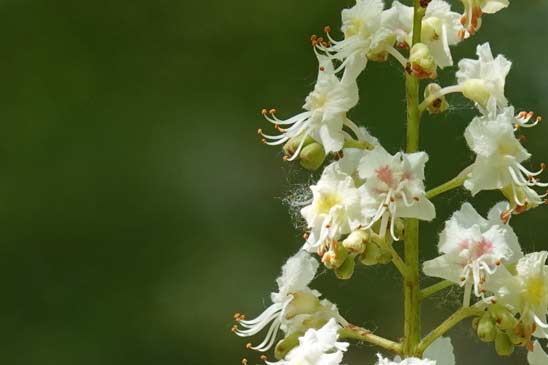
(367,200)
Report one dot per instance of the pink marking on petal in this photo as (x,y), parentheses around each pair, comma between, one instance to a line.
(385,175)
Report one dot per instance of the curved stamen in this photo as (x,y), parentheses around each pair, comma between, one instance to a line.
(270,337)
(268,312)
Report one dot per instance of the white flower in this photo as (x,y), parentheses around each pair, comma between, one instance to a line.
(499,157)
(294,303)
(335,208)
(317,347)
(526,292)
(393,188)
(325,116)
(474,9)
(484,78)
(408,361)
(363,36)
(441,351)
(537,356)
(440,28)
(473,248)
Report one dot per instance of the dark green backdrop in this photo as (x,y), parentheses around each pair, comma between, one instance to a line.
(138,209)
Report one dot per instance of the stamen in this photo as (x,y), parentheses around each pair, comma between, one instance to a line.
(264,357)
(248,345)
(244,361)
(327,29)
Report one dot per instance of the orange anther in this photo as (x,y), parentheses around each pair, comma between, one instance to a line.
(542,165)
(305,236)
(285,158)
(263,141)
(234,328)
(244,361)
(264,357)
(260,132)
(461,34)
(463,19)
(416,198)
(322,68)
(327,29)
(264,111)
(539,119)
(272,111)
(248,345)
(236,315)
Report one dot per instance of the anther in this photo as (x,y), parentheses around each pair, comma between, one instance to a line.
(264,112)
(416,198)
(392,199)
(463,20)
(264,357)
(322,68)
(516,126)
(305,236)
(234,328)
(327,29)
(236,315)
(244,361)
(498,262)
(248,345)
(521,138)
(272,111)
(462,278)
(542,165)
(263,140)
(493,301)
(530,115)
(521,114)
(328,225)
(285,158)
(539,119)
(461,34)
(260,132)
(385,205)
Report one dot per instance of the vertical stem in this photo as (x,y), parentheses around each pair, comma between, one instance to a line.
(412,315)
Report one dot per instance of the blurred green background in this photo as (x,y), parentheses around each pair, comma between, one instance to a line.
(139,210)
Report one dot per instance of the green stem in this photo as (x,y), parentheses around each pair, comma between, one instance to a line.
(396,258)
(452,321)
(433,289)
(362,334)
(411,289)
(450,185)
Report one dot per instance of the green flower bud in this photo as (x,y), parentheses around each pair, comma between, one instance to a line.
(503,345)
(287,344)
(503,318)
(291,146)
(487,330)
(346,270)
(476,90)
(475,323)
(335,257)
(371,254)
(302,303)
(431,29)
(422,62)
(356,241)
(312,156)
(438,105)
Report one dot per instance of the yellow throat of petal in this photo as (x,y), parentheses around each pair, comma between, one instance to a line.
(535,292)
(326,202)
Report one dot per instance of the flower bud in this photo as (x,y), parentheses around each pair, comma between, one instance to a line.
(487,331)
(291,146)
(503,345)
(476,90)
(422,62)
(346,270)
(431,29)
(371,254)
(335,257)
(503,318)
(439,104)
(302,303)
(356,241)
(312,156)
(287,344)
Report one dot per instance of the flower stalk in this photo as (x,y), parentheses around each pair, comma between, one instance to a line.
(412,309)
